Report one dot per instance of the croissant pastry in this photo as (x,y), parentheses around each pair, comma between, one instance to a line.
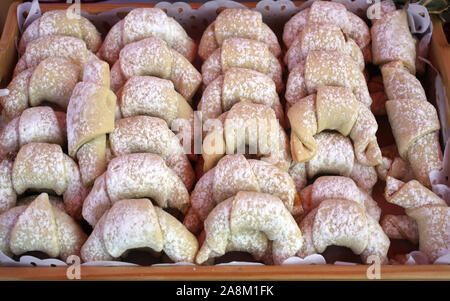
(135,176)
(336,187)
(251,222)
(399,83)
(237,23)
(53,80)
(141,23)
(400,227)
(237,84)
(328,13)
(156,97)
(40,226)
(37,124)
(326,68)
(136,223)
(333,108)
(144,134)
(322,36)
(54,46)
(242,53)
(246,126)
(335,155)
(394,166)
(90,116)
(57,172)
(343,222)
(58,22)
(430,212)
(152,56)
(392,40)
(8,196)
(234,173)
(415,126)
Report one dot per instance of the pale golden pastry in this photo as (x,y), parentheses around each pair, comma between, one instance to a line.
(392,40)
(136,223)
(90,116)
(144,134)
(44,167)
(415,125)
(250,222)
(326,68)
(52,80)
(248,128)
(333,108)
(328,13)
(410,195)
(37,124)
(343,222)
(8,196)
(135,176)
(394,166)
(235,85)
(59,22)
(433,223)
(322,36)
(145,22)
(337,187)
(152,96)
(156,97)
(234,173)
(54,46)
(242,53)
(237,23)
(399,83)
(430,212)
(335,156)
(152,56)
(42,227)
(400,227)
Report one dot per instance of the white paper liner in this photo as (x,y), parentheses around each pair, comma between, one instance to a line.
(274,13)
(417,257)
(314,259)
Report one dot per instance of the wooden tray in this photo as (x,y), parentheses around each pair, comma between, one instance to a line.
(439,55)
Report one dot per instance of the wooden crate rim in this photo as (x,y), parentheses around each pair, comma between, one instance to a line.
(238,273)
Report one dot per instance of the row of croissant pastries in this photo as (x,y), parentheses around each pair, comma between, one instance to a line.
(95,132)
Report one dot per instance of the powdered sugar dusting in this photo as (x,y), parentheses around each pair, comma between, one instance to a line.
(341,223)
(257,88)
(53,80)
(55,46)
(334,155)
(148,95)
(392,39)
(145,175)
(7,194)
(400,227)
(39,166)
(36,229)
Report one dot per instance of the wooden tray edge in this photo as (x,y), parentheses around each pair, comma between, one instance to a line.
(214,273)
